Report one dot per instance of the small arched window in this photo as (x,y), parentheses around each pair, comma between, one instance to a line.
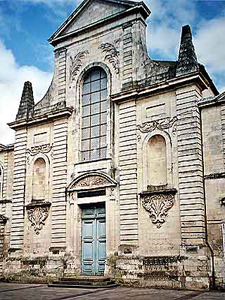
(157,161)
(1,181)
(39,177)
(94,115)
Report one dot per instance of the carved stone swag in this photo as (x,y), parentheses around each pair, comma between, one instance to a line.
(157,201)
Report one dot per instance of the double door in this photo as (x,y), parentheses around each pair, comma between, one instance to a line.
(93,239)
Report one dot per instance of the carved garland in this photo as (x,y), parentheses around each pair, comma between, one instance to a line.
(37,214)
(111,55)
(76,63)
(158,205)
(161,125)
(46,148)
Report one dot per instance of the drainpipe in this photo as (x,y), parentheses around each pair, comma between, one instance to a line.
(206,227)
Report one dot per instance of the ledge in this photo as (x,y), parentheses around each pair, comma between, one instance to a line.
(158,189)
(215,175)
(38,203)
(4,201)
(49,116)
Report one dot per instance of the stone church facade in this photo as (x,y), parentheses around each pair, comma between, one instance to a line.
(120,169)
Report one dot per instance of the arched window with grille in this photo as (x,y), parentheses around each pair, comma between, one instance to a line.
(94,115)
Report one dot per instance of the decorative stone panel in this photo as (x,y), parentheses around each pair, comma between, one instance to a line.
(157,203)
(37,214)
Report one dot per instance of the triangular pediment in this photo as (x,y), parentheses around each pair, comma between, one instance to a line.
(94,12)
(90,12)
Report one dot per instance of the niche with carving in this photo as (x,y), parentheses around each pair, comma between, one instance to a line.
(156,161)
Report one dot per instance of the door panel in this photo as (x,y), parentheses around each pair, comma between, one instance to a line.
(93,240)
(101,245)
(88,227)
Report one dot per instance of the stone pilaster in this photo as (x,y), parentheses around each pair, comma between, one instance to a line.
(59,183)
(62,74)
(19,177)
(127,55)
(128,173)
(190,169)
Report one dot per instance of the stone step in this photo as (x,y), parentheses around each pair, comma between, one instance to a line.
(86,278)
(65,285)
(84,282)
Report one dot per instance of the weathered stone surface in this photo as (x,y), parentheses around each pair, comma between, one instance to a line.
(160,178)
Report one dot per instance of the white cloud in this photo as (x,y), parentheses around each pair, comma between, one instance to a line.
(210,44)
(12,78)
(48,2)
(163,40)
(165,23)
(173,12)
(163,34)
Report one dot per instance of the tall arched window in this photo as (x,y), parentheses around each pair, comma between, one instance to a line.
(39,176)
(157,161)
(1,181)
(94,115)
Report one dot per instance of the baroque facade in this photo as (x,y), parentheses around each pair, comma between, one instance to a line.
(120,169)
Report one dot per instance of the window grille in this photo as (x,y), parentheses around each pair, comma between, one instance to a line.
(94,115)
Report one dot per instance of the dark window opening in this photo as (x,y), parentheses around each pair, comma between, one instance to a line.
(91,194)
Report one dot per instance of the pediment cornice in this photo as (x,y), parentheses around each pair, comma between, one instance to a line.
(72,26)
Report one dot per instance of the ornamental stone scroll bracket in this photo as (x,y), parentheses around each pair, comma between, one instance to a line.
(157,202)
(37,212)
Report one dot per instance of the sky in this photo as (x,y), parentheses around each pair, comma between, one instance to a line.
(25,54)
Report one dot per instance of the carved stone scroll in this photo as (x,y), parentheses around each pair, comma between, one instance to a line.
(157,205)
(37,214)
(76,63)
(111,55)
